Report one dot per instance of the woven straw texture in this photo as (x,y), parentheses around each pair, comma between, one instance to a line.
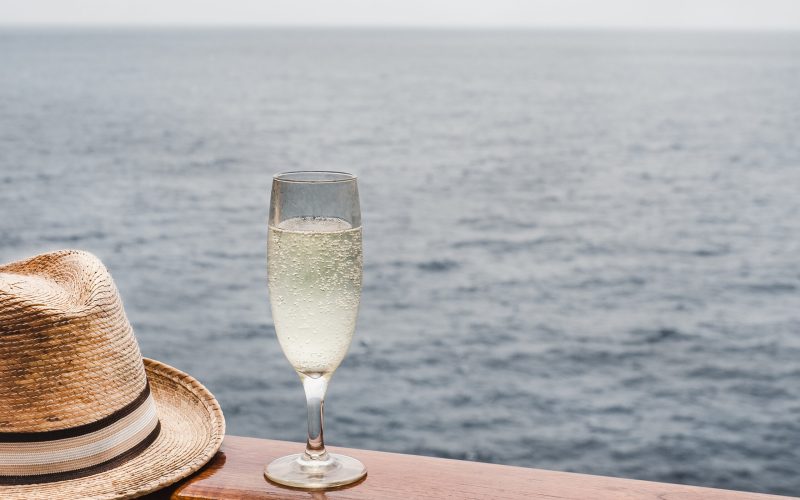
(68,357)
(192,428)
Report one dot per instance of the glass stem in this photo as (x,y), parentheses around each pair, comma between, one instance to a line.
(315,402)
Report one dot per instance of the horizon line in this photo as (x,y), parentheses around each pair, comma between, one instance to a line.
(398,26)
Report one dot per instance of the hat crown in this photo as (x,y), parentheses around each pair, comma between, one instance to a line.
(68,355)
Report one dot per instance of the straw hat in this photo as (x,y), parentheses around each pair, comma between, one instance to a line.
(82,415)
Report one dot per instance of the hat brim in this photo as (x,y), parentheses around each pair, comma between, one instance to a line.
(192,428)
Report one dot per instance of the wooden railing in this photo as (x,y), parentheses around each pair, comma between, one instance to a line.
(237,473)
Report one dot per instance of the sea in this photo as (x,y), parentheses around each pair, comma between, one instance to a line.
(581,248)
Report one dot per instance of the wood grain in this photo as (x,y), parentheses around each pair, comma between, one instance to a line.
(237,473)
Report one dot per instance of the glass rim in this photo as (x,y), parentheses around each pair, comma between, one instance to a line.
(335,176)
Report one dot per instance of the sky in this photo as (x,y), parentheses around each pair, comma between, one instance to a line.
(689,14)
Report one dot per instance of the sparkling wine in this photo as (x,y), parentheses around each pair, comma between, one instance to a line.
(315,288)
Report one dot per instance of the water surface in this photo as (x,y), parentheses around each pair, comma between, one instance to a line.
(581,249)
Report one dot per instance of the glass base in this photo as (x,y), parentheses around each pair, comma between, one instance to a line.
(294,471)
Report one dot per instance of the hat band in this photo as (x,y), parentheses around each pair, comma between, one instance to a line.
(28,458)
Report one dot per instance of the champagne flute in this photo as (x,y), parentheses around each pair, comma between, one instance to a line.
(314,267)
